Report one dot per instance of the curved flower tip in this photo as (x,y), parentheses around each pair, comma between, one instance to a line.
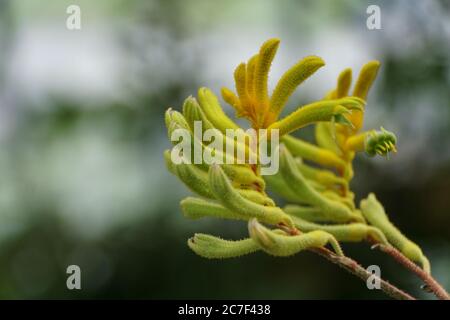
(212,247)
(366,78)
(261,235)
(277,243)
(380,142)
(375,214)
(213,111)
(174,120)
(171,116)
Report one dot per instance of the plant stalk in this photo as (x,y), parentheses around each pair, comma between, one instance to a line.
(356,269)
(430,282)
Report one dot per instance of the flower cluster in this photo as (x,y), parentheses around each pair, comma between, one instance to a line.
(313,178)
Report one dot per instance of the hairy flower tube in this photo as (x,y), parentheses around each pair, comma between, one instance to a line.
(313,178)
(323,172)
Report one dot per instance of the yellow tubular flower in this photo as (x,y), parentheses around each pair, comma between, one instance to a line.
(212,109)
(363,84)
(313,153)
(239,78)
(356,142)
(251,67)
(325,210)
(264,61)
(252,100)
(232,100)
(289,82)
(344,83)
(373,142)
(315,112)
(342,138)
(325,137)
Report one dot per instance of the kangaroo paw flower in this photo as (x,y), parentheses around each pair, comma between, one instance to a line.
(281,245)
(212,247)
(374,212)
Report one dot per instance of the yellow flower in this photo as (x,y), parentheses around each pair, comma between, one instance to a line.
(348,138)
(252,100)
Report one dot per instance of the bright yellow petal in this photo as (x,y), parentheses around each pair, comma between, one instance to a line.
(344,83)
(251,66)
(213,111)
(265,58)
(240,80)
(366,77)
(289,82)
(232,100)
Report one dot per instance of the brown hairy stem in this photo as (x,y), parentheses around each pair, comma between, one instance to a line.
(356,269)
(430,282)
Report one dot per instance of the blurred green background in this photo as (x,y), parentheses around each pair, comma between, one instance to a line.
(82,178)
